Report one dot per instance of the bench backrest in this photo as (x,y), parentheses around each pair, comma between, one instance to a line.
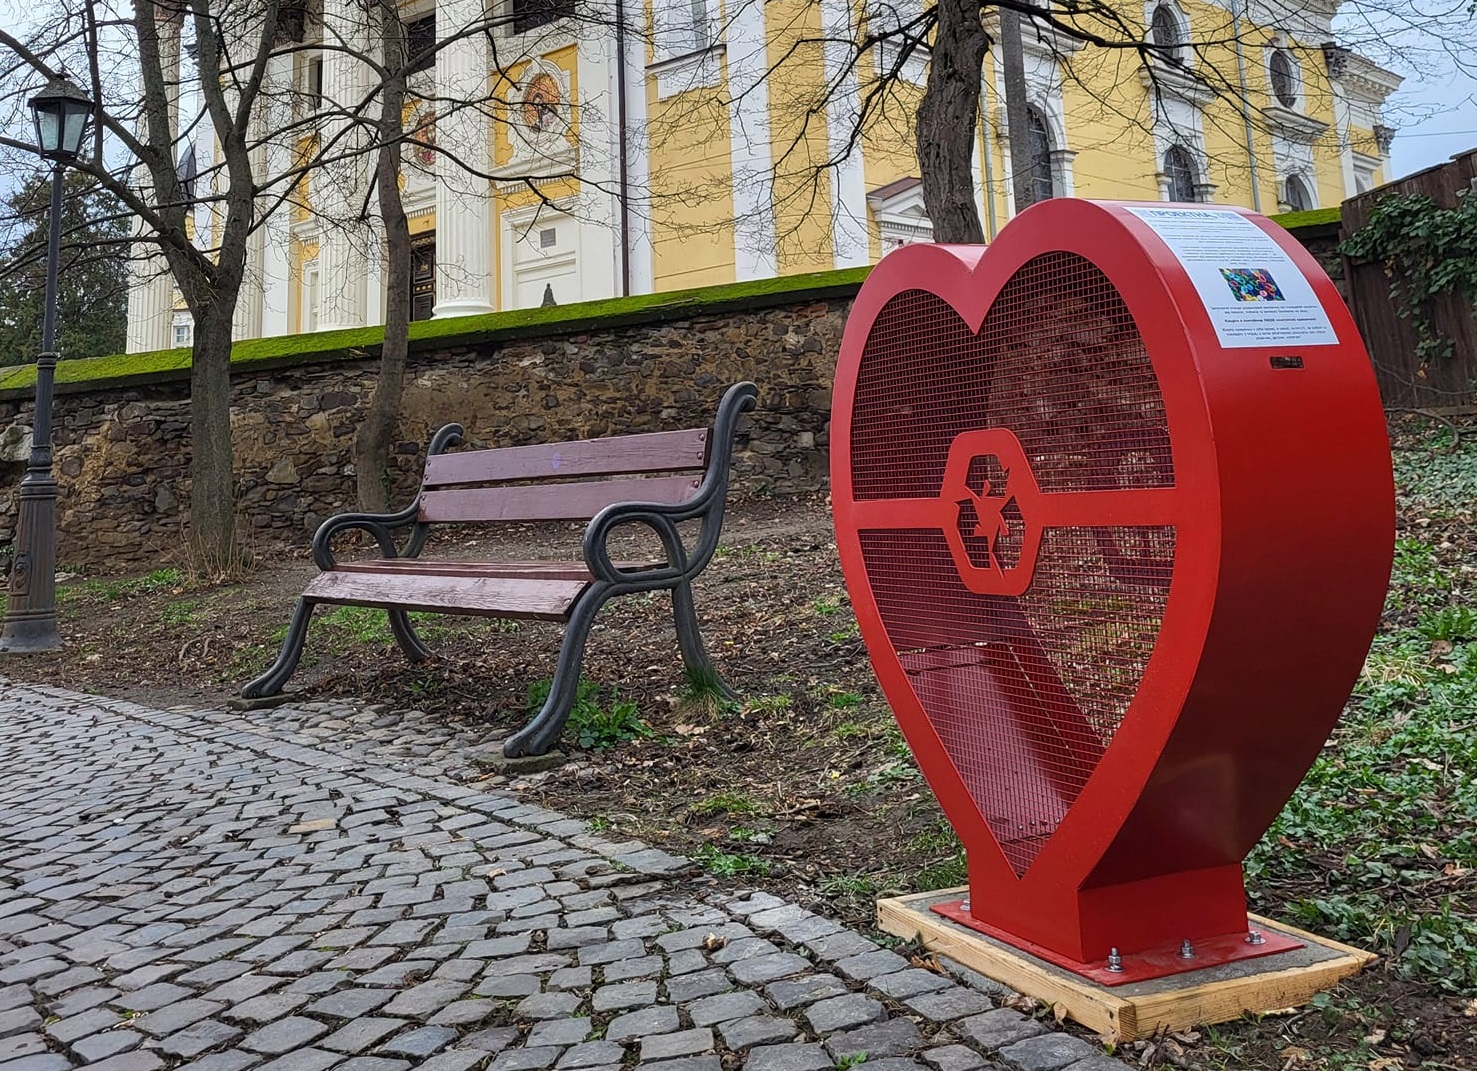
(563,481)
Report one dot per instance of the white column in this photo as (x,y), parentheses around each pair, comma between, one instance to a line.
(275,265)
(150,300)
(151,286)
(338,190)
(595,212)
(463,200)
(850,239)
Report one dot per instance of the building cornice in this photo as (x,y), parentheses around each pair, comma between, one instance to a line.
(1174,80)
(1039,39)
(1294,125)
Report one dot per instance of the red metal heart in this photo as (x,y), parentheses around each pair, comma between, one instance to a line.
(1116,579)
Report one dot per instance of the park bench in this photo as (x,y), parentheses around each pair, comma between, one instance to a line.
(657,480)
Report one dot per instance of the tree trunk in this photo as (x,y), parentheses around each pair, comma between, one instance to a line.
(374,439)
(948,119)
(212,491)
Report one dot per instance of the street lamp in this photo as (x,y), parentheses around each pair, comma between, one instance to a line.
(62,112)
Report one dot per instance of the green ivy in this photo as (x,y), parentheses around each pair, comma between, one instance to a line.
(1427,251)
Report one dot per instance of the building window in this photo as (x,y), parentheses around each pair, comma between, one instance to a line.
(1295,195)
(682,27)
(1179,168)
(531,14)
(315,85)
(307,79)
(1284,76)
(182,332)
(420,44)
(308,317)
(1038,147)
(1168,33)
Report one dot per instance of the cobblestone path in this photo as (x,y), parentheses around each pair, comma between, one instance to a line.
(190,889)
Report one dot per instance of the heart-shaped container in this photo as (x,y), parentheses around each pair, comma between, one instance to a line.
(1114,503)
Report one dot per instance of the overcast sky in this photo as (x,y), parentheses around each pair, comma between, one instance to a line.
(1450,129)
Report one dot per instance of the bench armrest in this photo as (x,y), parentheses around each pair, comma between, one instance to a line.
(706,502)
(380,525)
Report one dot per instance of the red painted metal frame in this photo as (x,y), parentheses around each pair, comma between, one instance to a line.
(1283,510)
(1143,964)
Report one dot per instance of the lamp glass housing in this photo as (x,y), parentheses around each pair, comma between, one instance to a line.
(62,113)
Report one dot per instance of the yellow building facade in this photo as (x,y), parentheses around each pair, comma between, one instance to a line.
(562,154)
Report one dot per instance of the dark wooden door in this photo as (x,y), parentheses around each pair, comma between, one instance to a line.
(422,276)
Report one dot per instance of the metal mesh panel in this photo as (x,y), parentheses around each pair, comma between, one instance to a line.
(1058,361)
(1026,692)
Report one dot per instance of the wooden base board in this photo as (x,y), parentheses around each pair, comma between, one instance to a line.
(1141,1009)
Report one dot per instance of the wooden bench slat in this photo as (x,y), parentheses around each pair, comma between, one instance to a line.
(550,502)
(661,451)
(510,570)
(539,598)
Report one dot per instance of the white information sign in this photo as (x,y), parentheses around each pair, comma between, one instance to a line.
(1254,293)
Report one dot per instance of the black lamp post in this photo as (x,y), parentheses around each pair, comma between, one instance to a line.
(62,112)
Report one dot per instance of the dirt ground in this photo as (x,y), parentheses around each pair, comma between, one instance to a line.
(803,787)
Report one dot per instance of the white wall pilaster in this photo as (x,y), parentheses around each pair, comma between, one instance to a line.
(850,240)
(340,187)
(464,284)
(754,253)
(151,286)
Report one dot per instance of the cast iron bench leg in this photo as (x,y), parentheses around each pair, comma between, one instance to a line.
(543,729)
(701,673)
(271,682)
(406,636)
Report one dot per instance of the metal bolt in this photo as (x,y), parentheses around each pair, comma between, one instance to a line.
(1115,962)
(1254,937)
(963,905)
(1187,950)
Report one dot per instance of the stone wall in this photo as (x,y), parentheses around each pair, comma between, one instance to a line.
(122,454)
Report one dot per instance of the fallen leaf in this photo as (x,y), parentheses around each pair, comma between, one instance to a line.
(1292,1056)
(1374,1037)
(713,942)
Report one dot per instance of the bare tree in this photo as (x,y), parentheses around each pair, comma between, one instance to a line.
(139,63)
(376,434)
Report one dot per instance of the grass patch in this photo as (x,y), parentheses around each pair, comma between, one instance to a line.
(160,580)
(1387,817)
(728,864)
(599,718)
(724,803)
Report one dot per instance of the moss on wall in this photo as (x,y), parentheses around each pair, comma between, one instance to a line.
(328,346)
(1317,217)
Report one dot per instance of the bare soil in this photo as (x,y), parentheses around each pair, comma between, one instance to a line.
(803,788)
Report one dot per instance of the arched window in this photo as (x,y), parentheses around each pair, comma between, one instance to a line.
(1296,195)
(1038,143)
(1166,31)
(1284,75)
(1183,176)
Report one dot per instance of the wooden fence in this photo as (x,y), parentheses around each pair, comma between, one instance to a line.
(1404,381)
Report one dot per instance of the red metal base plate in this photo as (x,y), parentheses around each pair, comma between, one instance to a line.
(1137,966)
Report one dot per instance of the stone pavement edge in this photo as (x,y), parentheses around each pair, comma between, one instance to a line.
(193,889)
